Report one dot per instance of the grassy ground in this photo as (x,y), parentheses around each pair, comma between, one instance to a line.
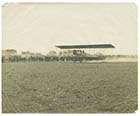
(54,87)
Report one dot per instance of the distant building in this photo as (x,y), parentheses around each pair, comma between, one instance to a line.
(52,53)
(27,54)
(9,52)
(38,54)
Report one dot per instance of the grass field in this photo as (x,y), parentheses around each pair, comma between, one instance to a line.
(54,87)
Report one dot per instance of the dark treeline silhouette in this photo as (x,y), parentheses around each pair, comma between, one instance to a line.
(19,58)
(27,59)
(48,58)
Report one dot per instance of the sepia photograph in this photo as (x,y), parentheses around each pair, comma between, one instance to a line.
(69,58)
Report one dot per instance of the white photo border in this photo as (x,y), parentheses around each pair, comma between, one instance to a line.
(137,2)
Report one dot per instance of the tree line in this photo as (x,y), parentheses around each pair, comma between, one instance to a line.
(17,58)
(26,59)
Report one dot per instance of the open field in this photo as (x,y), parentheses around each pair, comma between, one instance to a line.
(56,87)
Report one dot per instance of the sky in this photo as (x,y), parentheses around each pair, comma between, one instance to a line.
(38,27)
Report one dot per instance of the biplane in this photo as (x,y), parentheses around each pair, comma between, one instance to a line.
(79,54)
